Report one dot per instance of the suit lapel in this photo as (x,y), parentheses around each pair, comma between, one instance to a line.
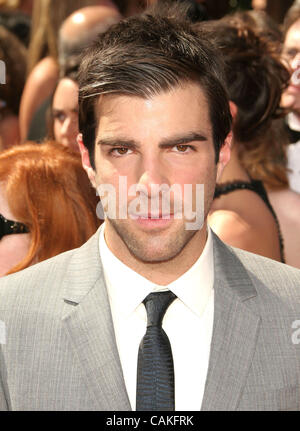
(234,334)
(89,325)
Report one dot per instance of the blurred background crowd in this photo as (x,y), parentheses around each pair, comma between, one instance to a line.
(47,205)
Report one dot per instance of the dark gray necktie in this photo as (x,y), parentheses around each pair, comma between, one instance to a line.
(155,370)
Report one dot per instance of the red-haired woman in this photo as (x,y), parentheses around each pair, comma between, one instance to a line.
(47,205)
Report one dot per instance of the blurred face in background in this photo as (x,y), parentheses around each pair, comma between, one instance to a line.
(291,54)
(259,4)
(65,113)
(13,247)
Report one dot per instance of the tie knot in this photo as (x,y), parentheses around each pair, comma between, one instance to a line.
(156,304)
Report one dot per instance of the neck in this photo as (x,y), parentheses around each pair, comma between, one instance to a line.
(234,169)
(161,273)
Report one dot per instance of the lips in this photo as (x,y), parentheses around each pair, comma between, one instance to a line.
(293,88)
(153,223)
(155,217)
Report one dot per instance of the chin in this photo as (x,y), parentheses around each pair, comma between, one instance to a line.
(155,247)
(152,255)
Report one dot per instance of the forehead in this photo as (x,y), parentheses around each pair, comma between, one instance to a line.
(66,93)
(181,109)
(293,35)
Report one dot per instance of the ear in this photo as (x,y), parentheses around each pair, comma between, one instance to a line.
(233,109)
(224,155)
(85,159)
(225,150)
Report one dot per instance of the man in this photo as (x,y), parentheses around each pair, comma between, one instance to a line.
(153,111)
(76,32)
(291,96)
(80,28)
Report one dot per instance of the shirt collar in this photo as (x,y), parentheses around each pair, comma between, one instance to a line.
(127,289)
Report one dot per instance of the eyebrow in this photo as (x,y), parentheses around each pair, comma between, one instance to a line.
(117,142)
(59,110)
(185,139)
(165,143)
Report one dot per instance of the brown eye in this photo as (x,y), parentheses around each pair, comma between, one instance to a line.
(181,148)
(122,151)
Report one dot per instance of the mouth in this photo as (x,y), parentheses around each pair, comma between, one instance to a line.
(159,216)
(292,88)
(150,221)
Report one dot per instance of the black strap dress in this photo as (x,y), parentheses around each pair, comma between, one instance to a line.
(257,187)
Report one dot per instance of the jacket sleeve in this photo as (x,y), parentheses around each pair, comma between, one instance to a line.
(3,398)
(3,401)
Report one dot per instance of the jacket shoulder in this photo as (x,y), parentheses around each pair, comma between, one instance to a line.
(34,278)
(269,278)
(49,277)
(272,279)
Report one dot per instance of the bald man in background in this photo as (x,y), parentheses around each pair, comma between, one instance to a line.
(76,32)
(81,28)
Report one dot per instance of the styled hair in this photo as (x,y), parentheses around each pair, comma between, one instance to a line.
(256,78)
(48,190)
(196,11)
(260,23)
(144,56)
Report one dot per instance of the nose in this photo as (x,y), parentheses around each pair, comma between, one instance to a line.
(152,171)
(66,127)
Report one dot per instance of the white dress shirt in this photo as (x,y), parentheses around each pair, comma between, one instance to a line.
(188,321)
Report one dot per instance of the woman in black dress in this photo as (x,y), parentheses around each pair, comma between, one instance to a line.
(242,214)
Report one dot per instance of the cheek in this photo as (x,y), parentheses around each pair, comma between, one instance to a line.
(13,249)
(74,129)
(109,170)
(202,171)
(204,175)
(106,175)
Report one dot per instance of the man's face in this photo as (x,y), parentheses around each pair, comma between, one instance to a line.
(291,53)
(166,139)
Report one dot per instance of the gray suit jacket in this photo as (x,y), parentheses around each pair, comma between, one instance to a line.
(60,351)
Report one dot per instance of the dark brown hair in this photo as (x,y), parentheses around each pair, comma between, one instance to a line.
(256,78)
(261,23)
(144,56)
